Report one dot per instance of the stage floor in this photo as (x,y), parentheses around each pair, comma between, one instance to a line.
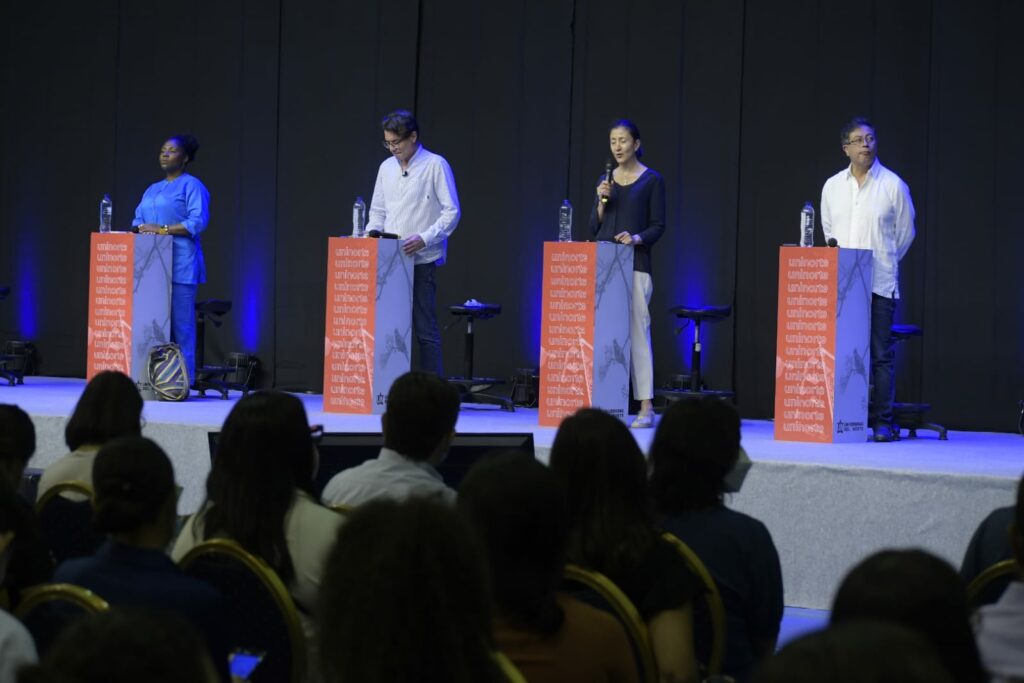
(827,506)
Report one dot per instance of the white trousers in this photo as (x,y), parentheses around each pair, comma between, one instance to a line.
(640,337)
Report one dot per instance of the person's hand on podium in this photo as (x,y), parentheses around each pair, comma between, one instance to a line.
(412,244)
(625,238)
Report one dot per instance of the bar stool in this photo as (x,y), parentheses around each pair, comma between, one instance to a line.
(474,389)
(911,416)
(11,365)
(214,377)
(697,315)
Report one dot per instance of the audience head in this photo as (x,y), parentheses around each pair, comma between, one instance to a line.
(696,446)
(265,453)
(517,508)
(404,593)
(134,484)
(605,478)
(109,407)
(125,645)
(420,419)
(860,651)
(920,591)
(17,444)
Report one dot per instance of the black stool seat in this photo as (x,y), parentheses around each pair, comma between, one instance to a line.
(472,388)
(7,360)
(703,313)
(213,306)
(4,292)
(904,332)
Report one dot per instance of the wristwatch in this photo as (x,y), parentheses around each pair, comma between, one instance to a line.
(164,230)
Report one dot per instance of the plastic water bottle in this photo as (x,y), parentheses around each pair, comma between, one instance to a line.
(807,226)
(106,213)
(359,218)
(565,221)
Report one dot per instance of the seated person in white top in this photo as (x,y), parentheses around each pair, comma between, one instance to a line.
(110,407)
(1000,627)
(418,427)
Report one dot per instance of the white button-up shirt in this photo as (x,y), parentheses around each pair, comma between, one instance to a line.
(420,200)
(878,215)
(390,475)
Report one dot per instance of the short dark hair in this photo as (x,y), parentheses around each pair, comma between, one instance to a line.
(604,475)
(633,129)
(852,125)
(124,645)
(856,652)
(412,574)
(696,446)
(517,507)
(133,479)
(188,143)
(401,122)
(422,410)
(920,591)
(110,406)
(17,443)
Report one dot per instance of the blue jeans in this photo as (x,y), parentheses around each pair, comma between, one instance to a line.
(424,318)
(883,362)
(183,324)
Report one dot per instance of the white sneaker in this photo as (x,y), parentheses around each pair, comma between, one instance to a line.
(643,420)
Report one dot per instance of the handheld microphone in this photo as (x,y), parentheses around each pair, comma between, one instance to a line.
(607,177)
(832,242)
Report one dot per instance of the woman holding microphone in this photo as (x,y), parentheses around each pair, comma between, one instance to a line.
(179,205)
(630,209)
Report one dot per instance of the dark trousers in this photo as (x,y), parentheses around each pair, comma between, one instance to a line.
(883,362)
(424,318)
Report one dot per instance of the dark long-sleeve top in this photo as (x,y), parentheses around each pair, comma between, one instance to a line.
(639,209)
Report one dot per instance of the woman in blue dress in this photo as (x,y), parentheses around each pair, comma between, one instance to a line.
(179,205)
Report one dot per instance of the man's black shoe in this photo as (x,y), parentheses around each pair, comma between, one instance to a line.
(884,435)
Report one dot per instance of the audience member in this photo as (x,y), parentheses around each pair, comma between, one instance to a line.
(517,508)
(989,544)
(405,599)
(125,645)
(612,531)
(920,591)
(1000,627)
(109,407)
(135,506)
(259,493)
(29,560)
(696,447)
(16,646)
(858,651)
(418,427)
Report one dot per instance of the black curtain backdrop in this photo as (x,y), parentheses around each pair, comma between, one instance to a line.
(739,103)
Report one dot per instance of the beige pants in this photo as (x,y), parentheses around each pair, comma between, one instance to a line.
(640,337)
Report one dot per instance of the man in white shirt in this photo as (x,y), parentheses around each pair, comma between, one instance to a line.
(415,198)
(418,427)
(867,206)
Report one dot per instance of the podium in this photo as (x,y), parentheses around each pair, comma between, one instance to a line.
(823,352)
(129,301)
(584,347)
(368,325)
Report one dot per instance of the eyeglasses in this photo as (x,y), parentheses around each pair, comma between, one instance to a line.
(392,145)
(858,141)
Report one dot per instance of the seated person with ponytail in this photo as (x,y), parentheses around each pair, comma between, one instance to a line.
(136,505)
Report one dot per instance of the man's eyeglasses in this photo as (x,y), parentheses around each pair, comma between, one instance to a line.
(858,141)
(392,145)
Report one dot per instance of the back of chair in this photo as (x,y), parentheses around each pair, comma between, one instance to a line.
(989,585)
(66,522)
(47,609)
(611,598)
(263,614)
(712,599)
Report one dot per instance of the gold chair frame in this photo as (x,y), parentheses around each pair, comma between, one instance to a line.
(71,486)
(716,608)
(271,581)
(52,592)
(980,582)
(628,616)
